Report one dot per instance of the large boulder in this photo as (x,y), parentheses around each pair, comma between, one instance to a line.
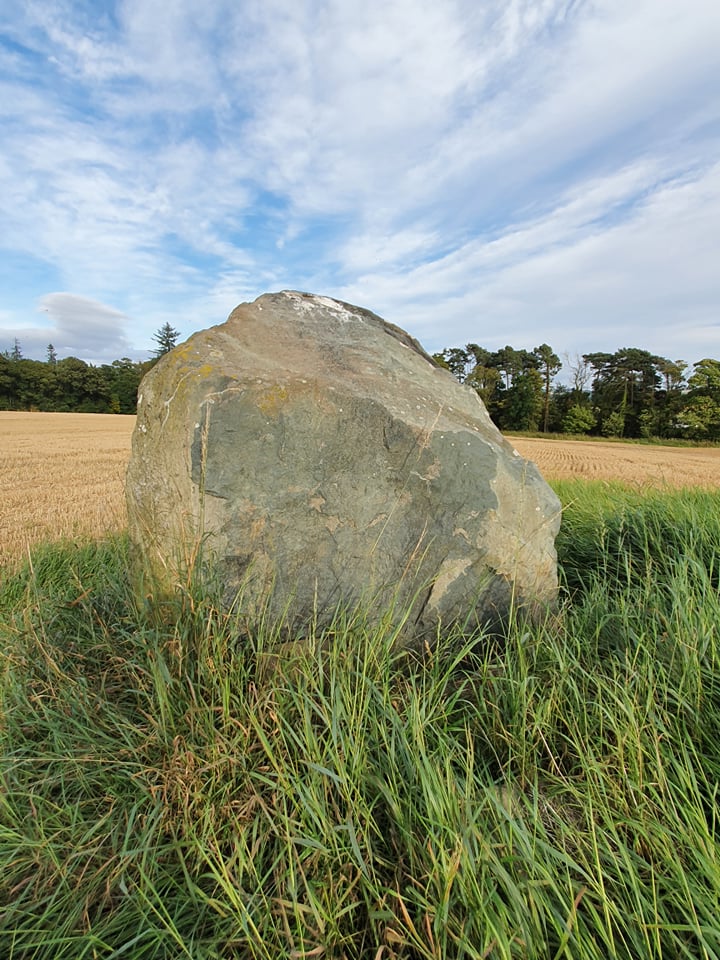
(308,455)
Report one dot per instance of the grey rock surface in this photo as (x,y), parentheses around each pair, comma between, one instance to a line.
(314,455)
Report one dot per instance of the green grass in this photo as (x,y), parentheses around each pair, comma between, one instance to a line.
(183,787)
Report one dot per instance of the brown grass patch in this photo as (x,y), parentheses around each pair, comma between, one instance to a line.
(62,475)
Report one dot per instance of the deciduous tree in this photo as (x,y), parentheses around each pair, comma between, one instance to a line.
(578,419)
(701,410)
(523,402)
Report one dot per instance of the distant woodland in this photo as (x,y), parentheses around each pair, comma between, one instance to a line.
(630,393)
(73,386)
(70,385)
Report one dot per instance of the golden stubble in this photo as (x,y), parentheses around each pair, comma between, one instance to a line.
(62,476)
(634,464)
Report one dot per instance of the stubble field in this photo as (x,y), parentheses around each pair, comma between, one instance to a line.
(61,477)
(166,791)
(62,474)
(630,463)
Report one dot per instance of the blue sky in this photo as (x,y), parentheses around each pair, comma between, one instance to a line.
(495,171)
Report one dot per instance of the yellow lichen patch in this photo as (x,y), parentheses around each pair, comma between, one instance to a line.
(183,352)
(272,400)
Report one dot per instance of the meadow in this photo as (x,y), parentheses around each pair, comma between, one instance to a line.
(170,787)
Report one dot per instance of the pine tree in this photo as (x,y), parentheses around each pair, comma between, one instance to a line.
(166,338)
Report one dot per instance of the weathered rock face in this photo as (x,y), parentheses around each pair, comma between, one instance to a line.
(320,457)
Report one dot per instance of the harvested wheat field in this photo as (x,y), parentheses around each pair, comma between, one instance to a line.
(631,463)
(62,474)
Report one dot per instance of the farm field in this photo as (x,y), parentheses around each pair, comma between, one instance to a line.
(61,477)
(631,463)
(62,474)
(166,792)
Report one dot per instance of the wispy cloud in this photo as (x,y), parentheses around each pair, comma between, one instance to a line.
(621,261)
(512,170)
(76,326)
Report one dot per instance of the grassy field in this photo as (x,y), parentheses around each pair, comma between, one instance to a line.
(167,791)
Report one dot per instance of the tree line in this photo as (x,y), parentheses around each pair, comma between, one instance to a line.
(71,385)
(630,393)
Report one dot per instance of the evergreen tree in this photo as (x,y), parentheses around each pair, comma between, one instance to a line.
(8,382)
(166,338)
(625,387)
(549,365)
(454,359)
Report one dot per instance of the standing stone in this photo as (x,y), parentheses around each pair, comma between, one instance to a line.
(314,456)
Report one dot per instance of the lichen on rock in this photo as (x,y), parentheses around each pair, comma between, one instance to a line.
(320,458)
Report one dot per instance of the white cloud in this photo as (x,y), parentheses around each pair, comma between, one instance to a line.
(647,276)
(539,167)
(76,326)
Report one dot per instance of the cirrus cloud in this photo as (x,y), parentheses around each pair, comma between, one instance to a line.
(514,170)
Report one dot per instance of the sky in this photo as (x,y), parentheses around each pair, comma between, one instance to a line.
(491,171)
